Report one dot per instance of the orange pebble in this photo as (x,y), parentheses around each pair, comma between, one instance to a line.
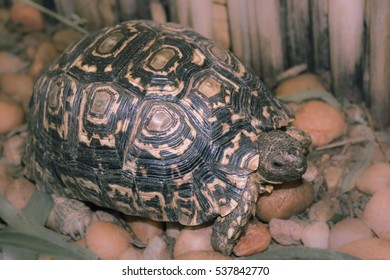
(107,240)
(322,121)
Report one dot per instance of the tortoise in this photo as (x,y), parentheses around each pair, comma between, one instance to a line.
(155,120)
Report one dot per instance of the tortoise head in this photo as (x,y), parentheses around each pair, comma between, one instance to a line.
(282,155)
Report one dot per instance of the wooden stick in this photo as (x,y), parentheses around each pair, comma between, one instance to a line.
(380,62)
(341,143)
(238,19)
(221,24)
(320,35)
(297,32)
(183,12)
(202,17)
(346,25)
(253,37)
(270,41)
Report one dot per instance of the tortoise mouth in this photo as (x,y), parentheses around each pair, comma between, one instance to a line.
(264,180)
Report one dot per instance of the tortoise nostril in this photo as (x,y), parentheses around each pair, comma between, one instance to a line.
(277,164)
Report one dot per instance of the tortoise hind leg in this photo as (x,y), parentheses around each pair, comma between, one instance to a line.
(227,230)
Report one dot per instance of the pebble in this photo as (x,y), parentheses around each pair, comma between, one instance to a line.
(311,173)
(4,168)
(333,177)
(11,115)
(27,17)
(156,249)
(367,249)
(321,211)
(82,242)
(255,239)
(348,230)
(107,240)
(374,178)
(202,255)
(377,212)
(45,54)
(18,86)
(19,192)
(284,201)
(145,229)
(286,232)
(10,63)
(322,121)
(193,238)
(14,148)
(4,15)
(131,253)
(5,182)
(64,37)
(303,82)
(316,235)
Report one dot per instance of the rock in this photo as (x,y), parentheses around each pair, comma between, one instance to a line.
(303,82)
(107,240)
(18,86)
(284,201)
(156,249)
(10,63)
(11,114)
(45,54)
(202,255)
(64,37)
(323,122)
(286,232)
(377,213)
(311,173)
(348,230)
(374,178)
(333,177)
(19,192)
(255,239)
(14,149)
(193,238)
(145,229)
(131,253)
(367,249)
(321,211)
(82,242)
(31,41)
(316,235)
(4,15)
(27,17)
(5,182)
(4,168)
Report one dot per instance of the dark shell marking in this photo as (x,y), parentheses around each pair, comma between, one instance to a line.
(151,120)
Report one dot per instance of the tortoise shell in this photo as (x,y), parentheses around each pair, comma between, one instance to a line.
(150,120)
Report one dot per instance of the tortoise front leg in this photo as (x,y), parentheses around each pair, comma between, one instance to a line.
(227,230)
